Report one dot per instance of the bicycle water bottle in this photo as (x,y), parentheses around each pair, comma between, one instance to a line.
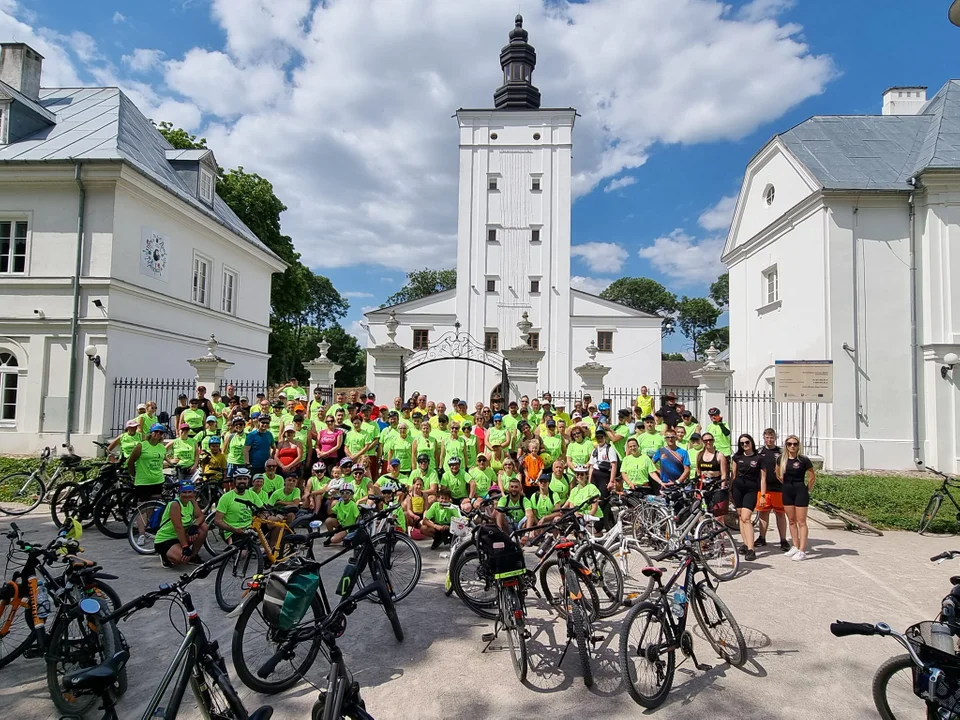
(678,602)
(546,546)
(315,525)
(43,599)
(941,638)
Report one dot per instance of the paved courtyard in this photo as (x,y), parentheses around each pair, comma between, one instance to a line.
(796,669)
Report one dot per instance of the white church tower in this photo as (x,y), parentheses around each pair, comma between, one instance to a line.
(513,235)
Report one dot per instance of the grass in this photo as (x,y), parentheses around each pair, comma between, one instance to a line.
(889,502)
(9,465)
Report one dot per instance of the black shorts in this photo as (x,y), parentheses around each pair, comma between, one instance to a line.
(142,493)
(796,494)
(745,495)
(162,548)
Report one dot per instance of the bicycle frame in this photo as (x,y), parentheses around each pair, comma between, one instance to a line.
(688,568)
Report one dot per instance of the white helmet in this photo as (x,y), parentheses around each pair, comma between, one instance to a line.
(581,469)
(348,487)
(388,487)
(319,466)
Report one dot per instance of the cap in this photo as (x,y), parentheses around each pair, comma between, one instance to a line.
(498,416)
(624,412)
(544,478)
(481,456)
(395,463)
(577,416)
(581,469)
(211,418)
(560,404)
(245,399)
(600,431)
(405,406)
(289,428)
(670,396)
(319,466)
(524,410)
(345,462)
(256,414)
(132,424)
(187,486)
(393,413)
(258,476)
(453,461)
(686,413)
(713,411)
(696,436)
(182,396)
(423,457)
(494,491)
(214,440)
(551,423)
(648,417)
(368,405)
(184,426)
(142,406)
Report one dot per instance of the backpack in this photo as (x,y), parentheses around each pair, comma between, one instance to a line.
(156,520)
(288,594)
(499,552)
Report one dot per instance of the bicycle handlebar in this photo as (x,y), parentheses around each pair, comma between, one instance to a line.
(842,628)
(947,555)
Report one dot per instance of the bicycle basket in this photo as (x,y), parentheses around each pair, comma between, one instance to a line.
(499,552)
(287,595)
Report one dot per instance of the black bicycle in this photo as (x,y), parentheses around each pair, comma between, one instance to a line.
(936,500)
(652,632)
(259,632)
(78,499)
(197,663)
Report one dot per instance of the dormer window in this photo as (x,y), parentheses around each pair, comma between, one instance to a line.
(206,186)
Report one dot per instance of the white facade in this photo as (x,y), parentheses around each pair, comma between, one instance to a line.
(841,258)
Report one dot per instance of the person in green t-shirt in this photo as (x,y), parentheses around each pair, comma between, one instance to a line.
(291,390)
(424,444)
(470,445)
(650,440)
(456,479)
(193,417)
(497,442)
(428,476)
(185,452)
(580,447)
(515,506)
(233,445)
(344,513)
(718,428)
(128,440)
(559,484)
(216,402)
(618,434)
(544,505)
(401,449)
(694,448)
(436,520)
(211,428)
(234,512)
(182,529)
(584,491)
(390,490)
(257,492)
(637,469)
(481,478)
(357,441)
(288,496)
(272,479)
(316,487)
(552,442)
(453,446)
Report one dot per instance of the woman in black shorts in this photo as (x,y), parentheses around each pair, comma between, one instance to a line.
(796,473)
(749,479)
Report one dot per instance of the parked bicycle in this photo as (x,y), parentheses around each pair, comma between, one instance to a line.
(78,499)
(936,500)
(851,520)
(652,632)
(21,492)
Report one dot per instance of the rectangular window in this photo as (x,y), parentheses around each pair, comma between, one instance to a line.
(491,285)
(491,183)
(492,235)
(605,341)
(206,185)
(535,235)
(13,246)
(228,301)
(534,286)
(533,340)
(421,339)
(771,285)
(535,184)
(201,280)
(491,341)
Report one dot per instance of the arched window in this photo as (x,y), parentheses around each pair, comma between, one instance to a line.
(8,387)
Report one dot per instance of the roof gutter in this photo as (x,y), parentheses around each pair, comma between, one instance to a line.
(75,318)
(914,332)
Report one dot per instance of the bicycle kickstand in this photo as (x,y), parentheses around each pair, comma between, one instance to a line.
(686,647)
(489,637)
(564,653)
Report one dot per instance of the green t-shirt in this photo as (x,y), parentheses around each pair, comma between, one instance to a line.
(579,452)
(483,478)
(552,447)
(272,484)
(440,436)
(401,450)
(401,518)
(129,442)
(387,436)
(149,466)
(315,484)
(167,531)
(235,450)
(542,504)
(693,454)
(580,494)
(354,441)
(259,498)
(428,446)
(292,393)
(459,484)
(440,515)
(282,496)
(301,436)
(496,437)
(454,448)
(720,441)
(185,451)
(347,512)
(193,418)
(276,423)
(470,449)
(372,431)
(218,411)
(398,480)
(510,423)
(516,511)
(429,478)
(236,513)
(637,469)
(650,442)
(621,445)
(560,487)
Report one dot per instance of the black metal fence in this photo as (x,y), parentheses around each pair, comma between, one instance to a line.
(622,397)
(248,388)
(753,412)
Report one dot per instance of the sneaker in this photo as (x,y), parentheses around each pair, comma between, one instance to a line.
(141,540)
(792,551)
(799,555)
(785,546)
(760,542)
(750,555)
(166,563)
(743,549)
(436,542)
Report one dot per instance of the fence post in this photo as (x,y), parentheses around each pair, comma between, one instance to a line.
(210,368)
(713,381)
(322,369)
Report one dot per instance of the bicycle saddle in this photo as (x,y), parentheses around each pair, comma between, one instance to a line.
(653,572)
(263,713)
(100,677)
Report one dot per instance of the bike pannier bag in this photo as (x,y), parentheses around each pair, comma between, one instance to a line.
(287,596)
(718,502)
(499,551)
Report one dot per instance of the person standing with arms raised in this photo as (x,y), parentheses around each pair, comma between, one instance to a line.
(719,430)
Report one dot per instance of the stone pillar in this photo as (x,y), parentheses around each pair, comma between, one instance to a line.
(714,381)
(210,368)
(322,369)
(592,373)
(388,360)
(523,365)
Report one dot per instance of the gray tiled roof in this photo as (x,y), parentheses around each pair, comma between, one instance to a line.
(676,373)
(880,152)
(103,124)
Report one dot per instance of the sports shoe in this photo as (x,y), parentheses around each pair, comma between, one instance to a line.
(436,542)
(799,555)
(761,541)
(750,555)
(166,563)
(141,540)
(792,551)
(785,546)
(743,549)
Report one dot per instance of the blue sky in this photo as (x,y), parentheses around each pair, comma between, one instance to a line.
(367,162)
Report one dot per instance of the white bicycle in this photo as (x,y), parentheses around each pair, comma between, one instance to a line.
(630,555)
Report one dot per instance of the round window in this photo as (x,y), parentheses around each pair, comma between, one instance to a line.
(493,136)
(769,194)
(536,136)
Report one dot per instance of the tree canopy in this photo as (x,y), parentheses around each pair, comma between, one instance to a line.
(421,283)
(695,316)
(644,294)
(720,291)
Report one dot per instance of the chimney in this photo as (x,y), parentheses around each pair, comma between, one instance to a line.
(904,100)
(20,68)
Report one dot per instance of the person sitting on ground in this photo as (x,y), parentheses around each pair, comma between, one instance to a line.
(261,496)
(388,492)
(182,529)
(272,479)
(436,521)
(514,505)
(414,507)
(544,508)
(361,482)
(458,482)
(344,513)
(287,498)
(316,489)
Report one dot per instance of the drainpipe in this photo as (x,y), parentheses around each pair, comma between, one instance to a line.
(75,319)
(856,323)
(914,333)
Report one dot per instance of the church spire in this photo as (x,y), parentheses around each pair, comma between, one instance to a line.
(518,59)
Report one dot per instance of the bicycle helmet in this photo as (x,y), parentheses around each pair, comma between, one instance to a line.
(581,469)
(158,428)
(241,473)
(348,487)
(346,462)
(71,529)
(423,457)
(388,487)
(214,440)
(453,461)
(603,406)
(319,467)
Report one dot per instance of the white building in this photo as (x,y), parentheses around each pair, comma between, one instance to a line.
(163,262)
(513,257)
(835,220)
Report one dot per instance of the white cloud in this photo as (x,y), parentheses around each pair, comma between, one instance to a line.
(218,85)
(354,294)
(119,18)
(84,46)
(685,259)
(143,59)
(619,183)
(367,308)
(386,279)
(763,9)
(591,285)
(600,257)
(359,332)
(717,217)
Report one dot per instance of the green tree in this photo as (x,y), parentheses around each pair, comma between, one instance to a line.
(720,291)
(695,316)
(345,350)
(671,356)
(180,138)
(421,283)
(644,294)
(719,337)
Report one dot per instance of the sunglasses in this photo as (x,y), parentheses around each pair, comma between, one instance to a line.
(671,437)
(706,440)
(745,443)
(793,444)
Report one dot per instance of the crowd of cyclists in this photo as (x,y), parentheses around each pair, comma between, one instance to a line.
(297,453)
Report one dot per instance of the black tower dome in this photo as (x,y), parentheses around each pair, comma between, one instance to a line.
(518,59)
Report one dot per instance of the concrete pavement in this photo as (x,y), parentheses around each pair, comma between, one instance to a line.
(796,669)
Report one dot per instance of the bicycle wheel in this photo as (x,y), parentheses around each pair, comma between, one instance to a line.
(511,616)
(404,565)
(255,641)
(216,541)
(474,587)
(56,500)
(717,549)
(216,697)
(113,510)
(74,503)
(21,492)
(718,625)
(389,609)
(551,583)
(930,512)
(607,577)
(652,526)
(580,626)
(632,559)
(646,661)
(893,690)
(16,629)
(234,574)
(139,534)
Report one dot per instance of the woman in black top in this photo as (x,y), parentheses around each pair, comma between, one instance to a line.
(712,466)
(796,473)
(749,479)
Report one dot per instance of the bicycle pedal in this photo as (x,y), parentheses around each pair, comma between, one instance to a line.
(597,638)
(488,637)
(527,635)
(32,653)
